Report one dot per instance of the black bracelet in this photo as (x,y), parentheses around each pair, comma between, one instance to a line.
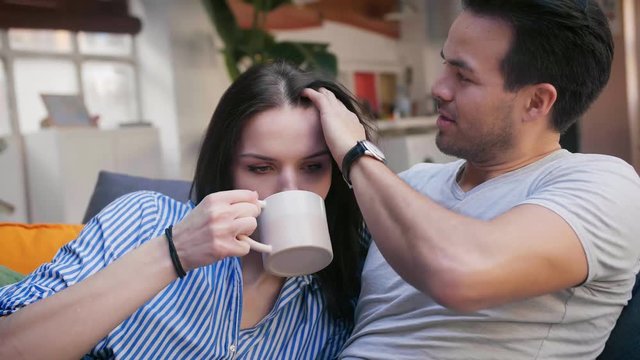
(177,265)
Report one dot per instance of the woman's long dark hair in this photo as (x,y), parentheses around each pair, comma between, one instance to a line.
(265,87)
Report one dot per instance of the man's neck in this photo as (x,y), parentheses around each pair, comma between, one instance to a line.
(475,173)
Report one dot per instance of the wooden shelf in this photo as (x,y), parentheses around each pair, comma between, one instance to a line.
(406,126)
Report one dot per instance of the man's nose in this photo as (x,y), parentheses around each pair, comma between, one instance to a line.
(288,180)
(441,89)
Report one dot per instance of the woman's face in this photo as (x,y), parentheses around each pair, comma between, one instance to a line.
(283,149)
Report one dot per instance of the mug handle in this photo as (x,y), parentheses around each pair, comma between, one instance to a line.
(256,246)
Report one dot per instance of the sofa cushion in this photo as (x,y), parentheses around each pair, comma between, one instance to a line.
(24,247)
(8,276)
(111,186)
(625,337)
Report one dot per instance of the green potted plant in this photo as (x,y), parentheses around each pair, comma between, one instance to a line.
(245,47)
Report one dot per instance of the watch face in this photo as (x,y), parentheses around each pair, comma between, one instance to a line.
(375,151)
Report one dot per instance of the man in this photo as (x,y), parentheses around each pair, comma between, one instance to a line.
(522,250)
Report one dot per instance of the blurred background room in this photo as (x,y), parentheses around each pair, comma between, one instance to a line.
(131,85)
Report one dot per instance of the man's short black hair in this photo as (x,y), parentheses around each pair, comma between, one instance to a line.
(566,43)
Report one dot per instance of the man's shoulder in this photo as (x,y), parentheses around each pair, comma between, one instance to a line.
(592,167)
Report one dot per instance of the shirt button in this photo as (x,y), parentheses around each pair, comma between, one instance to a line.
(232,348)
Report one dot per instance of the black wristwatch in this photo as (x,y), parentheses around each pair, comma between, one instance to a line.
(363,147)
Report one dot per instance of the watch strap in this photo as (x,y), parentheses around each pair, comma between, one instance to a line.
(362,147)
(355,152)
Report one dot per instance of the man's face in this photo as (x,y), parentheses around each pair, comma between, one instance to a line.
(477,115)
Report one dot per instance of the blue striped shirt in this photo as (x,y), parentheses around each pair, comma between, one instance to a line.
(197,317)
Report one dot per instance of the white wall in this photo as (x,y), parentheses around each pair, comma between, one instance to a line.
(373,52)
(156,78)
(12,184)
(200,74)
(182,77)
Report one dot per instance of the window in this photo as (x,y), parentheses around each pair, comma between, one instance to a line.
(35,76)
(110,91)
(52,41)
(101,67)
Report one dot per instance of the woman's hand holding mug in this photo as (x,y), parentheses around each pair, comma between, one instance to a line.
(210,231)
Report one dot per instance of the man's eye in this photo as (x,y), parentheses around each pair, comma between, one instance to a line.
(260,169)
(463,78)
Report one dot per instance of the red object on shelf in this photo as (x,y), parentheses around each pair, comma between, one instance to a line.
(365,87)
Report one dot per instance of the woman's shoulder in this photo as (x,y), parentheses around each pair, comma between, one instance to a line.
(133,219)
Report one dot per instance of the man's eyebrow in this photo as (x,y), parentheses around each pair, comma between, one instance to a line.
(266,158)
(461,64)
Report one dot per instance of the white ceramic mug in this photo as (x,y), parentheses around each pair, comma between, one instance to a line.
(294,233)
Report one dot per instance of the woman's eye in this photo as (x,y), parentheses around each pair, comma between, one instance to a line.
(313,167)
(260,169)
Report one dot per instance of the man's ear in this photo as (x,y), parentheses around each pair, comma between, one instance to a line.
(540,102)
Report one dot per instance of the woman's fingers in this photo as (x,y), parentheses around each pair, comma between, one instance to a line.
(208,233)
(245,226)
(244,209)
(232,197)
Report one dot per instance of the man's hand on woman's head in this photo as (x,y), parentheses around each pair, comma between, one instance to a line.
(209,232)
(342,128)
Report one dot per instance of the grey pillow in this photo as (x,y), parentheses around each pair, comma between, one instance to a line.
(111,186)
(624,340)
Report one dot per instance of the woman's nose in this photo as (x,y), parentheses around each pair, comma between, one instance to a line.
(288,180)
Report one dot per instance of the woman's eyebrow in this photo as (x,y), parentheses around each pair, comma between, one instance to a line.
(266,158)
(252,155)
(319,153)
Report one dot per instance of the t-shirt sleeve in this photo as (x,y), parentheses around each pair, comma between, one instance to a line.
(599,197)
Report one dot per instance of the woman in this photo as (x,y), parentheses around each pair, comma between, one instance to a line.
(264,137)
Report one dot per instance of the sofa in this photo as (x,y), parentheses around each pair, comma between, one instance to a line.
(23,247)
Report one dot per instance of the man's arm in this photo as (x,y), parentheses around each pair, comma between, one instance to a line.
(465,263)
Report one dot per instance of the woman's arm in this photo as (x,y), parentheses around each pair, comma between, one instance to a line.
(68,324)
(71,322)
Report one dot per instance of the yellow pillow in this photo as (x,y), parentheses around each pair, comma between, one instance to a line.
(24,247)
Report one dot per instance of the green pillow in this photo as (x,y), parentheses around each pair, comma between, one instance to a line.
(8,276)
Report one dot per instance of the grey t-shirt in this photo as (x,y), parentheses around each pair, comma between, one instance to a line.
(597,195)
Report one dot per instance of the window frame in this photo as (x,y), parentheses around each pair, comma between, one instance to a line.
(8,57)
